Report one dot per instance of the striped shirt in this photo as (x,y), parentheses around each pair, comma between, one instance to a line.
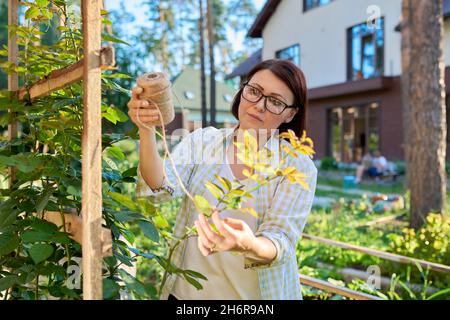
(282,207)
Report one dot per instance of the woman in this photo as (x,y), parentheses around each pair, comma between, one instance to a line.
(253,258)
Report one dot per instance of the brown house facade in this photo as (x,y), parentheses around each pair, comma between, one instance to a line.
(353,71)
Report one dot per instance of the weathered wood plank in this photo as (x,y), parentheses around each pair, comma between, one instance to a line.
(91,152)
(329,287)
(13,79)
(380,254)
(61,78)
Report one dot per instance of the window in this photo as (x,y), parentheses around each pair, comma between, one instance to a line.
(291,53)
(227,98)
(353,131)
(189,95)
(366,51)
(311,4)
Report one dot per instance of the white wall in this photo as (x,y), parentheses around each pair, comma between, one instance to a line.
(447,42)
(322,35)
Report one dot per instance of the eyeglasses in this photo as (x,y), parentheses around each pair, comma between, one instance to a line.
(271,104)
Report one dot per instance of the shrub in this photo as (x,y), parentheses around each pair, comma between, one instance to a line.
(328,163)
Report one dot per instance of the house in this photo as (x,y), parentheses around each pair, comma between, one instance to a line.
(352,66)
(187,101)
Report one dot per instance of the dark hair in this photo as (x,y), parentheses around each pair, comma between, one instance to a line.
(294,78)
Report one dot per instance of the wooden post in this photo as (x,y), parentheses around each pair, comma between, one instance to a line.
(91,152)
(13,79)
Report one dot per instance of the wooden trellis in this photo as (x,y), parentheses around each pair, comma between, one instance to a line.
(381,254)
(95,241)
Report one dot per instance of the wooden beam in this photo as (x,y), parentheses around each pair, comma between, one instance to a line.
(380,254)
(91,151)
(74,226)
(13,79)
(329,287)
(63,77)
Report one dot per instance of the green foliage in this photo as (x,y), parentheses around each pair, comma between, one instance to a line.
(328,163)
(431,242)
(347,221)
(37,258)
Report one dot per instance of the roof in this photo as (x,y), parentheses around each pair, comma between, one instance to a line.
(186,87)
(271,5)
(262,18)
(244,68)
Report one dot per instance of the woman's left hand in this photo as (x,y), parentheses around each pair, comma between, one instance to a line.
(235,235)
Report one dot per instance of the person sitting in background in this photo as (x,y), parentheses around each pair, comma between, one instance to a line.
(379,165)
(366,164)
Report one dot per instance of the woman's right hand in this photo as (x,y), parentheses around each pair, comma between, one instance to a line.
(147,112)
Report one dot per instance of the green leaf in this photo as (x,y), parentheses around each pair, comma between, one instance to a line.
(43,201)
(132,172)
(8,243)
(146,206)
(7,282)
(74,191)
(36,236)
(437,294)
(40,252)
(44,226)
(142,254)
(108,37)
(115,152)
(149,230)
(215,190)
(126,216)
(251,211)
(203,204)
(195,274)
(117,114)
(32,13)
(7,217)
(42,3)
(161,222)
(110,289)
(117,76)
(66,102)
(123,200)
(132,283)
(194,282)
(223,181)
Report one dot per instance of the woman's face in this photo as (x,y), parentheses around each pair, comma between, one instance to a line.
(254,115)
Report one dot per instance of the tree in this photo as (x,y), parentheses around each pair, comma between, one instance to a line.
(202,64)
(212,73)
(3,37)
(424,106)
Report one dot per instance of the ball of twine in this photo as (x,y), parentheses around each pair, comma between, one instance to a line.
(156,90)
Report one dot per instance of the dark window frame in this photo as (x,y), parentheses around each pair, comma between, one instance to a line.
(287,48)
(305,9)
(350,50)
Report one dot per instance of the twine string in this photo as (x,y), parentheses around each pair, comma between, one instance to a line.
(166,148)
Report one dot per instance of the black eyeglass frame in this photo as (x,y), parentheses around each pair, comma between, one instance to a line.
(286,106)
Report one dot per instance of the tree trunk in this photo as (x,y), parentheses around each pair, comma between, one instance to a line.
(212,77)
(202,66)
(424,106)
(164,46)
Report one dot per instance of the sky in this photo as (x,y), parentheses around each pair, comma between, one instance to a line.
(236,37)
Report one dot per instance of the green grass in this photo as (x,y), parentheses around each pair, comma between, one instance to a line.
(396,187)
(336,194)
